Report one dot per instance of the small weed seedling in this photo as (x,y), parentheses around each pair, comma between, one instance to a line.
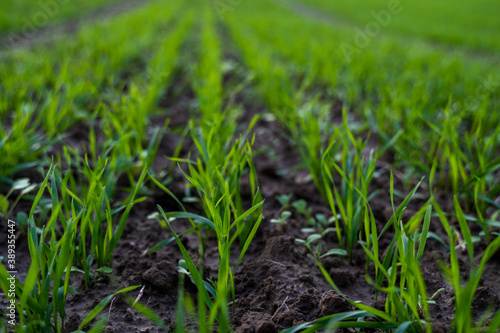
(283,218)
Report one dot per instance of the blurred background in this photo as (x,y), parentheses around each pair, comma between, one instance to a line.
(473,24)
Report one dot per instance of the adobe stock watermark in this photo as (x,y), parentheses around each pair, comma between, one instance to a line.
(48,9)
(12,273)
(487,86)
(363,37)
(221,7)
(153,78)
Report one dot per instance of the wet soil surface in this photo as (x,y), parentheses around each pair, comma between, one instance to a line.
(277,285)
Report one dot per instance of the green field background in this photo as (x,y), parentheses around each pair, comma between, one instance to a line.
(15,13)
(464,22)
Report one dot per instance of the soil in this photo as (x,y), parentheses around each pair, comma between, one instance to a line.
(277,285)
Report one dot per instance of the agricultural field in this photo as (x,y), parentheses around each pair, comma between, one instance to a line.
(250,166)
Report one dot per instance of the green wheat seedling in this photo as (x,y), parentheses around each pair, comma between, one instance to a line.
(404,285)
(22,145)
(273,82)
(196,227)
(114,155)
(144,92)
(52,255)
(227,233)
(100,223)
(50,267)
(447,151)
(100,306)
(407,295)
(212,170)
(211,178)
(370,245)
(312,132)
(460,150)
(352,320)
(465,290)
(470,157)
(185,305)
(349,201)
(482,186)
(215,130)
(208,74)
(48,274)
(476,181)
(217,183)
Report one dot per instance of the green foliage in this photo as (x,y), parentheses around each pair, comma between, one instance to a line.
(42,296)
(413,98)
(465,290)
(351,200)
